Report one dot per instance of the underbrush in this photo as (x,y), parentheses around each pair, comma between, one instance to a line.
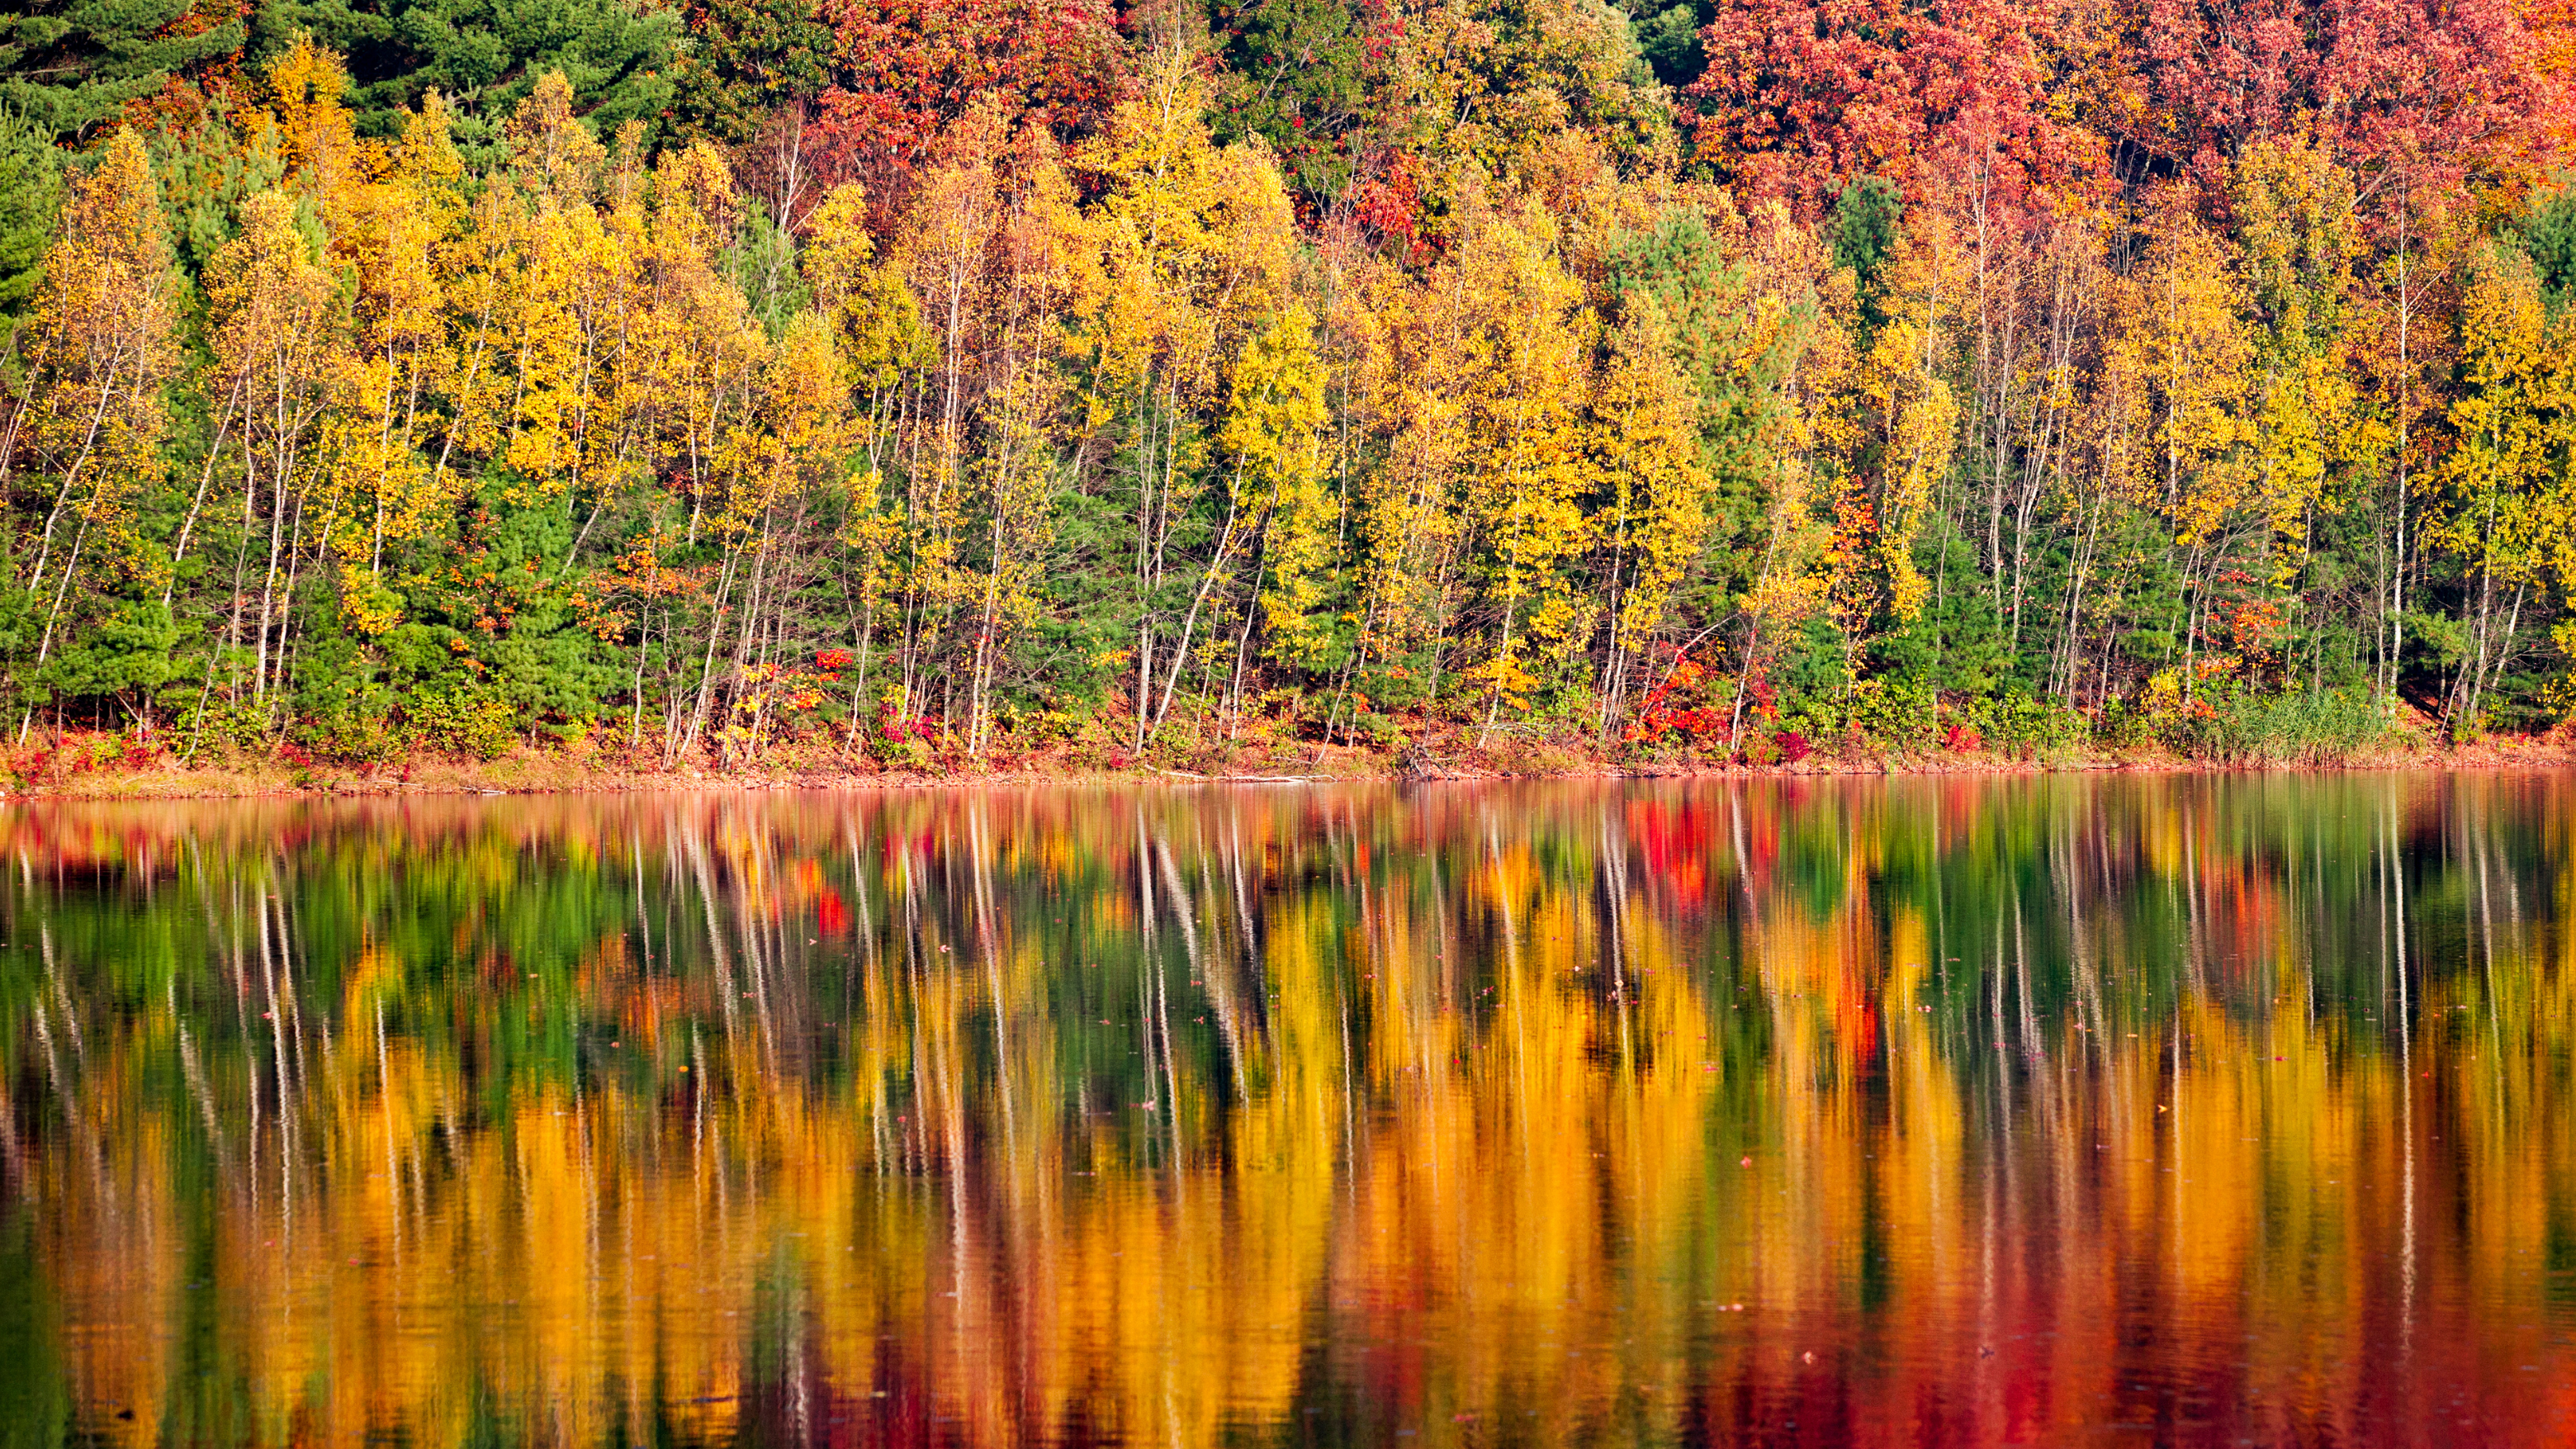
(2326,727)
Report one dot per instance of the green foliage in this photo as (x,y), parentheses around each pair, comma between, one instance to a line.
(2547,231)
(1667,39)
(1958,638)
(745,60)
(1896,715)
(462,719)
(2015,722)
(762,263)
(357,726)
(70,66)
(486,56)
(1866,229)
(207,168)
(1295,75)
(125,654)
(31,190)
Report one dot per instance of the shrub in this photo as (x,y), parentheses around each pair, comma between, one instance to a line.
(464,721)
(2015,721)
(355,727)
(1893,715)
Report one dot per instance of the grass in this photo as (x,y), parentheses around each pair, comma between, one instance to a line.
(2322,728)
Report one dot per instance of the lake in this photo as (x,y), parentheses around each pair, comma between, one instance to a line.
(1947,1111)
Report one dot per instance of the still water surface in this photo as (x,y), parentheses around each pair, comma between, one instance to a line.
(2128,1110)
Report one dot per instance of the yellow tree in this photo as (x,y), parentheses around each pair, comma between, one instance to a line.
(1909,418)
(317,137)
(385,489)
(1644,444)
(2179,341)
(952,260)
(1275,418)
(280,334)
(803,437)
(1404,378)
(1187,248)
(1024,404)
(2506,504)
(882,348)
(690,387)
(87,417)
(2313,441)
(1527,344)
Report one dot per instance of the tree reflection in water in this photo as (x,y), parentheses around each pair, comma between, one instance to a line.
(1916,1112)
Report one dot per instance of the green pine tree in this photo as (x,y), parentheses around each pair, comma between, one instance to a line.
(71,65)
(30,192)
(486,55)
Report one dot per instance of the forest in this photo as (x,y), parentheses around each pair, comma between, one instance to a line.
(983,384)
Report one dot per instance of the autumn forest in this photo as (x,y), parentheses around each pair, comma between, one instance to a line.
(957,383)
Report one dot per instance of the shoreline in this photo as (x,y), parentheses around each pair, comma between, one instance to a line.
(541,773)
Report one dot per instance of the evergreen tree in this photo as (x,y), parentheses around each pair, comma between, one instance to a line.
(30,193)
(71,65)
(486,56)
(1866,218)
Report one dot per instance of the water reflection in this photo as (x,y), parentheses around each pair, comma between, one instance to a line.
(1938,1112)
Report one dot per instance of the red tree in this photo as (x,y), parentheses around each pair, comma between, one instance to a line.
(1802,96)
(2455,90)
(902,70)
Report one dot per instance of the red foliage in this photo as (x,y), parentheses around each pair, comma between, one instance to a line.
(1390,205)
(1802,96)
(1662,712)
(894,726)
(1793,746)
(903,70)
(1962,738)
(2458,89)
(831,913)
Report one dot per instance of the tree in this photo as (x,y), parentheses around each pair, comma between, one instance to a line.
(747,59)
(1658,513)
(71,66)
(279,338)
(1273,431)
(2454,94)
(487,56)
(1297,74)
(2507,502)
(902,71)
(82,437)
(31,183)
(1803,97)
(1186,250)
